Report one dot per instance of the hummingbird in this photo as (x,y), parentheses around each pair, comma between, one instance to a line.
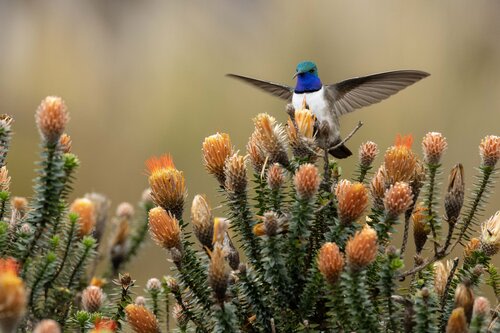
(329,102)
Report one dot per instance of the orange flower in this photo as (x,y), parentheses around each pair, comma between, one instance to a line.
(168,188)
(398,199)
(271,138)
(164,228)
(141,320)
(216,149)
(367,153)
(47,326)
(489,149)
(330,262)
(361,250)
(400,161)
(51,118)
(352,200)
(86,215)
(201,218)
(433,145)
(235,172)
(306,181)
(12,295)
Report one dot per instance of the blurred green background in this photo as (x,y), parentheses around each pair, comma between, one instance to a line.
(147,77)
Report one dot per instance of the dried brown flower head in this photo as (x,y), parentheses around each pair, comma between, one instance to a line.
(457,322)
(235,172)
(490,235)
(168,188)
(421,229)
(51,118)
(454,198)
(47,326)
(306,181)
(4,179)
(12,295)
(352,200)
(92,298)
(377,188)
(218,273)
(398,199)
(216,149)
(65,143)
(271,138)
(361,250)
(271,223)
(400,161)
(201,218)
(141,320)
(164,228)
(441,274)
(367,153)
(489,149)
(256,153)
(86,215)
(433,146)
(464,298)
(330,262)
(275,177)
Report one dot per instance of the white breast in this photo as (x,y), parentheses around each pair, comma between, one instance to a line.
(318,105)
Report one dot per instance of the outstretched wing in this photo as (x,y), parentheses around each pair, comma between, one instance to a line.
(358,92)
(276,89)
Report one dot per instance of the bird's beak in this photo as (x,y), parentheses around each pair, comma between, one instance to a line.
(295,75)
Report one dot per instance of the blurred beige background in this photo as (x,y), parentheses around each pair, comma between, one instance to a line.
(147,77)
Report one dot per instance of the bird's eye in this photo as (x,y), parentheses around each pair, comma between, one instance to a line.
(311,71)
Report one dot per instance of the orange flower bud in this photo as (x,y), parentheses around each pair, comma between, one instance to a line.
(330,262)
(352,200)
(164,228)
(361,250)
(86,215)
(51,118)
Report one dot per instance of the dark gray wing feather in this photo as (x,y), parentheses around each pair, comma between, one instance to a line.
(276,89)
(358,92)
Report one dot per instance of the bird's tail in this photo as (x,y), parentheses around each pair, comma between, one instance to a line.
(340,152)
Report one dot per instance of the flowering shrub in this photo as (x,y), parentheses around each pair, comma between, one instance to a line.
(301,247)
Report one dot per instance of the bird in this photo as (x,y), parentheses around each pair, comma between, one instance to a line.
(330,101)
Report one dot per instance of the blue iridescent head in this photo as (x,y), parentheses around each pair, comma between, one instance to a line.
(307,77)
